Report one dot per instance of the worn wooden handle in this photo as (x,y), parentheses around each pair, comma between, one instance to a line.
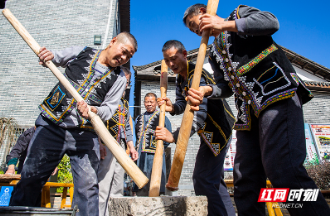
(119,153)
(130,167)
(155,184)
(186,126)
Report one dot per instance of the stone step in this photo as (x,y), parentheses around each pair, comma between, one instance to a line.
(156,206)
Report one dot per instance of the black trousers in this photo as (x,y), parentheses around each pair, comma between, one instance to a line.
(46,149)
(275,147)
(208,180)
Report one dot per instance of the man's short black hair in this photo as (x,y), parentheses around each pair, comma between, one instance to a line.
(173,43)
(150,94)
(123,36)
(193,10)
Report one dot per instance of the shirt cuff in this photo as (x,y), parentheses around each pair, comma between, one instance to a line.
(216,93)
(100,112)
(175,135)
(176,110)
(55,60)
(129,138)
(12,161)
(241,25)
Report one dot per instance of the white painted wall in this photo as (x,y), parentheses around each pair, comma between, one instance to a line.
(207,66)
(304,75)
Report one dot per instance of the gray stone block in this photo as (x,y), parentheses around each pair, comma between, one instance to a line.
(154,206)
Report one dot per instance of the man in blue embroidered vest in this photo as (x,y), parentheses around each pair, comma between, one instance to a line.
(111,173)
(213,122)
(63,128)
(269,97)
(146,124)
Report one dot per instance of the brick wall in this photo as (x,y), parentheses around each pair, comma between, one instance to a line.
(55,25)
(318,109)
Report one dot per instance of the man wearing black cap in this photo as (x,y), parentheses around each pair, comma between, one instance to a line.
(2,4)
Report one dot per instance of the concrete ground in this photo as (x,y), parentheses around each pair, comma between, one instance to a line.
(157,206)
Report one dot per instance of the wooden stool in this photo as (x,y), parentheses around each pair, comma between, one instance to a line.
(46,198)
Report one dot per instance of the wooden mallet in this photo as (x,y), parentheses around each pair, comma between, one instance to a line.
(129,166)
(155,183)
(186,126)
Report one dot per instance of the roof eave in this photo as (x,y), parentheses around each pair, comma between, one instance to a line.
(318,86)
(307,65)
(296,59)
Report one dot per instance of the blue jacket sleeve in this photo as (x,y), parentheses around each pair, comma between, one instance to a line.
(128,130)
(168,126)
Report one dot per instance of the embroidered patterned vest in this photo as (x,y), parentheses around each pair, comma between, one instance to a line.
(257,71)
(217,128)
(59,103)
(118,120)
(145,132)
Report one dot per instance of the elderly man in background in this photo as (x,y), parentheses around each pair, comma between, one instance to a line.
(146,124)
